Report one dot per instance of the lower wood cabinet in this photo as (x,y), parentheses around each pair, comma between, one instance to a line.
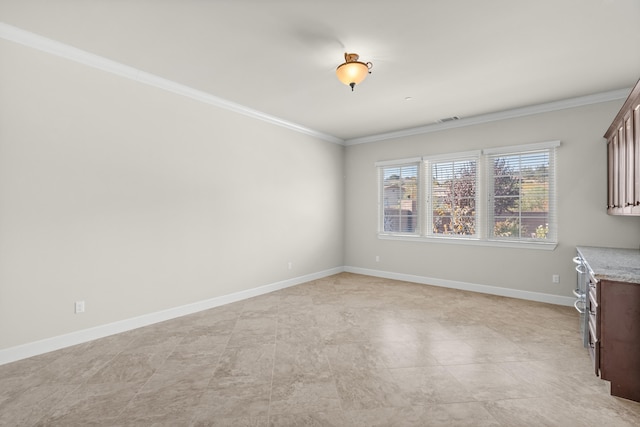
(614,335)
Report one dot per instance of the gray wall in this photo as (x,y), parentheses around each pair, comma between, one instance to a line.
(137,200)
(582,220)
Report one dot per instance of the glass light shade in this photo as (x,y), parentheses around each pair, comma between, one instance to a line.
(352,73)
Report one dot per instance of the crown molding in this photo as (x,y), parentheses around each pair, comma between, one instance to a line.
(500,115)
(71,53)
(62,50)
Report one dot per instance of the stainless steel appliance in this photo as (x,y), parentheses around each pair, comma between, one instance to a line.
(582,302)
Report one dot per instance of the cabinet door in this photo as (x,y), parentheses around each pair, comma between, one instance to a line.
(622,169)
(629,176)
(610,176)
(615,173)
(618,172)
(619,318)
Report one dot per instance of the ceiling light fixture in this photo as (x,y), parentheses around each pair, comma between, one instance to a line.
(352,71)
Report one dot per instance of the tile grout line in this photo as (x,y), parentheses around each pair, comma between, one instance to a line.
(155,370)
(273,362)
(192,421)
(57,406)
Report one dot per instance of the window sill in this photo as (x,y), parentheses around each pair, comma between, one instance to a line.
(545,246)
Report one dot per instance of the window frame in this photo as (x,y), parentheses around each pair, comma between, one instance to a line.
(523,150)
(381,167)
(483,204)
(428,163)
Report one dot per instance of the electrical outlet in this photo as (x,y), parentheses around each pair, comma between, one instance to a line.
(290,265)
(377,258)
(555,278)
(79,307)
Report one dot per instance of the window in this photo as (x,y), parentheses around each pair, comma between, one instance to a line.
(502,196)
(452,195)
(521,194)
(400,197)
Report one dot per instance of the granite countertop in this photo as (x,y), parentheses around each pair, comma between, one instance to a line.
(621,265)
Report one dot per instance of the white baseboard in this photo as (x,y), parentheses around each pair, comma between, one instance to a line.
(35,348)
(473,287)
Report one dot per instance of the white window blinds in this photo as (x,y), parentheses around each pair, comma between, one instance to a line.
(503,196)
(452,195)
(521,194)
(399,198)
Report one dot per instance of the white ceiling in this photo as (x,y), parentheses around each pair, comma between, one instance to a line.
(452,57)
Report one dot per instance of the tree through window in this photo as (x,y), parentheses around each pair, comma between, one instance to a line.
(453,197)
(519,195)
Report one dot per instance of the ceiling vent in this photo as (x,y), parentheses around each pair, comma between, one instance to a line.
(448,119)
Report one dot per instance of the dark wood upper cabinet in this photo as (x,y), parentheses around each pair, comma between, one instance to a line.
(623,158)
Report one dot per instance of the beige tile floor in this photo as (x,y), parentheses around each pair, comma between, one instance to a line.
(347,350)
